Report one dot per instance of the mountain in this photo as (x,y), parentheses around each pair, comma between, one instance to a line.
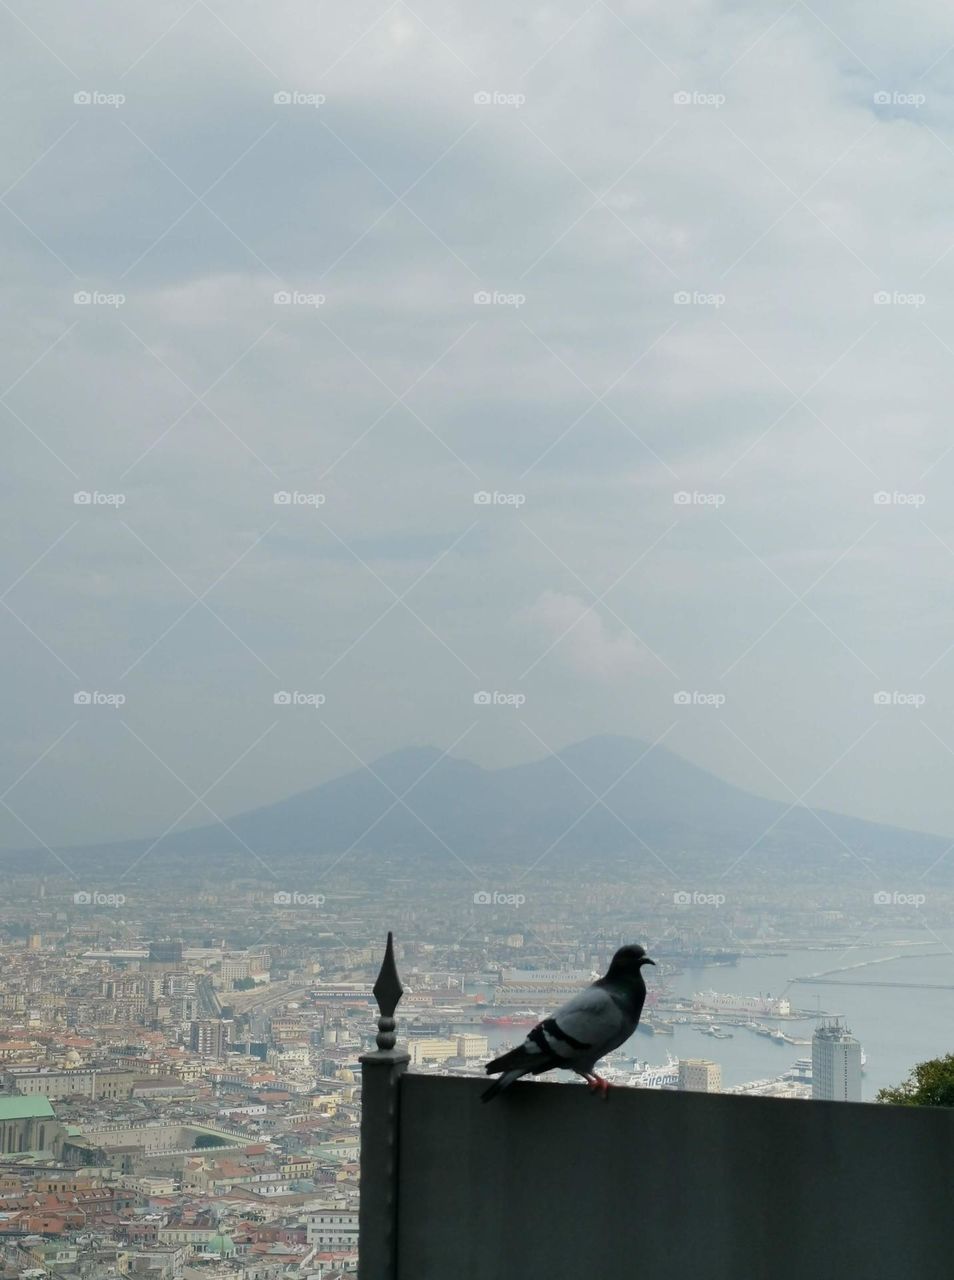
(606,797)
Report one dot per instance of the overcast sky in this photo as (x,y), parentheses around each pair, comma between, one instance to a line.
(718,246)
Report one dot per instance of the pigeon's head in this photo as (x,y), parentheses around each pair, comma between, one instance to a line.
(627,963)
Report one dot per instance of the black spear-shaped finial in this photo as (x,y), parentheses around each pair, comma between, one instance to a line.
(387,990)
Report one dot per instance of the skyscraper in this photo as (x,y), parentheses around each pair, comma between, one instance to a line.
(836,1063)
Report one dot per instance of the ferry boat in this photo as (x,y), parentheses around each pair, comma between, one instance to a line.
(645,1076)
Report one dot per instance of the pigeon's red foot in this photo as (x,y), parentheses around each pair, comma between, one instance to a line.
(603,1085)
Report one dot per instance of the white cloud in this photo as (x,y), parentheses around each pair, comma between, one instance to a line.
(582,639)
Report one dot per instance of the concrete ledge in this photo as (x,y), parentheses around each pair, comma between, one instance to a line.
(549,1183)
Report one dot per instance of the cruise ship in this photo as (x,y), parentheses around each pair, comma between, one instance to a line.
(801,1069)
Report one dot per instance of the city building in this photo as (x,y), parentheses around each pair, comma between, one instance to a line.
(28,1124)
(209,1037)
(836,1063)
(68,1082)
(333,1228)
(700,1074)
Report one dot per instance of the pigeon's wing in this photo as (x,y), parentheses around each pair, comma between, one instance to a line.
(583,1027)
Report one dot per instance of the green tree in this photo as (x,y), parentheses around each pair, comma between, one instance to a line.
(208,1140)
(930,1084)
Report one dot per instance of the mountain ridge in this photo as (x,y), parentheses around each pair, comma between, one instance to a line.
(604,796)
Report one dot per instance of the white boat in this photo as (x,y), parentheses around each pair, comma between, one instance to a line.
(646,1076)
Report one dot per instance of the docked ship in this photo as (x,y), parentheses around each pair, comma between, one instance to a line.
(730,1002)
(801,1069)
(521,1018)
(656,1027)
(645,1076)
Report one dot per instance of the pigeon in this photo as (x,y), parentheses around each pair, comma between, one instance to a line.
(590,1025)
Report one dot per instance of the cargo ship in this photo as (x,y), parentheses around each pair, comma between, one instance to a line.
(522,1018)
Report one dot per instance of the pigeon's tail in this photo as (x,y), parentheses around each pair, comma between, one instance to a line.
(498,1086)
(518,1057)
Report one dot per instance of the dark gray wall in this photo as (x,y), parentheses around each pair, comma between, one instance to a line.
(550,1183)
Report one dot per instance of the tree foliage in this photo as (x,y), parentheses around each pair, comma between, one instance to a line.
(208,1140)
(930,1084)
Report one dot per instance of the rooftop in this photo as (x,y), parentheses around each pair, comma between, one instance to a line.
(15,1107)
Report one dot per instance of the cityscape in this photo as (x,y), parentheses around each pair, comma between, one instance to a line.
(476,640)
(180,1087)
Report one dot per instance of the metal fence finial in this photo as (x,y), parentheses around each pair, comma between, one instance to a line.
(387,991)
